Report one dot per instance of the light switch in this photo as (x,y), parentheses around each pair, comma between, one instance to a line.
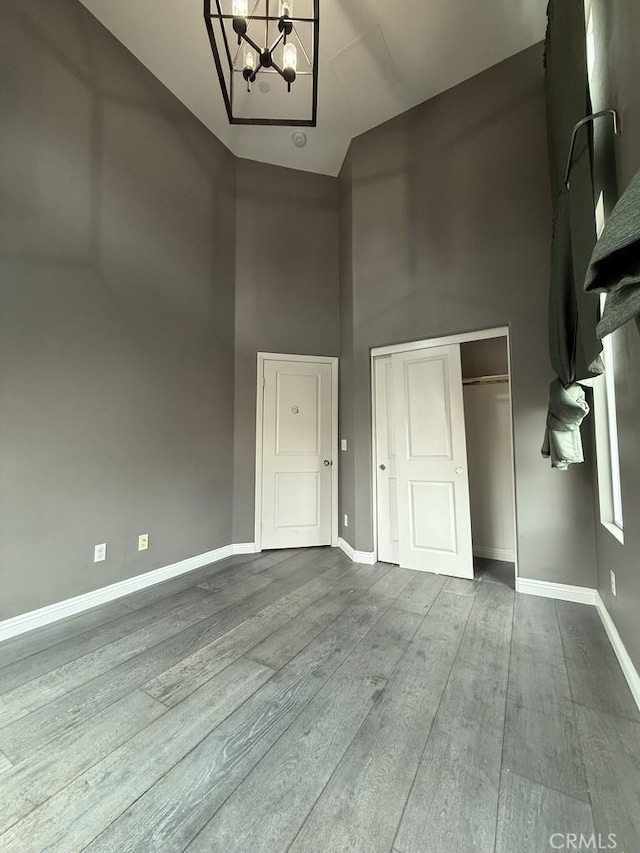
(343,444)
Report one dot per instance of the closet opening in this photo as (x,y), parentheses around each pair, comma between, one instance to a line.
(486,391)
(444,495)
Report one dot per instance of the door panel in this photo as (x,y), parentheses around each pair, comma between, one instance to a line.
(428,422)
(433,520)
(297,414)
(296,444)
(388,545)
(297,500)
(434,516)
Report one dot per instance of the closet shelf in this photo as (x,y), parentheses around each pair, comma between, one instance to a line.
(486,380)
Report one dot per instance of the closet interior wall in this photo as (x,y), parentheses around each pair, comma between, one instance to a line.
(487,407)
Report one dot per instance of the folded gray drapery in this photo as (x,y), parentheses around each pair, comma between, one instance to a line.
(615,264)
(567,409)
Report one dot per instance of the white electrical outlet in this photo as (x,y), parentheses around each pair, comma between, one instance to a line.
(100,553)
(346,520)
(343,444)
(143,542)
(613,583)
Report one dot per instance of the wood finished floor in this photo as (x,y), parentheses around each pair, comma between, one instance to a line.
(294,701)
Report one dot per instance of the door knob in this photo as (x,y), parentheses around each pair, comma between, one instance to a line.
(459,470)
(383,467)
(326,463)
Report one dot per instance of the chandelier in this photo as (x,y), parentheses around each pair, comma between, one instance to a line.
(267,59)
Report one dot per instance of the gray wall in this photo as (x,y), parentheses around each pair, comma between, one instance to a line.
(450,215)
(116,313)
(617,24)
(346,472)
(286,293)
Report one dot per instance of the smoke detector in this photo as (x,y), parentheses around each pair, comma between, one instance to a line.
(299,139)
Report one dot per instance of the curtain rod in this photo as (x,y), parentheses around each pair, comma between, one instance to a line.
(617,127)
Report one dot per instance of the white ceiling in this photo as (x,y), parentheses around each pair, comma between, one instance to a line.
(377,59)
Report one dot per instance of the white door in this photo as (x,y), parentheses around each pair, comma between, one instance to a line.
(388,544)
(297,454)
(434,515)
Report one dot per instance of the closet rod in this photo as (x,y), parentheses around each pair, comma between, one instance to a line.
(486,380)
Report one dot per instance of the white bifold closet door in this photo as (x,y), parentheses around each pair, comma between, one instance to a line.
(430,462)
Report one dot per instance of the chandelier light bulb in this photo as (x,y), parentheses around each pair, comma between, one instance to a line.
(290,57)
(249,60)
(286,8)
(240,23)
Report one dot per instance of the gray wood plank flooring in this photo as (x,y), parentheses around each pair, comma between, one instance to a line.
(44,638)
(364,799)
(211,772)
(5,764)
(294,701)
(69,755)
(302,762)
(454,798)
(594,672)
(541,740)
(534,818)
(611,749)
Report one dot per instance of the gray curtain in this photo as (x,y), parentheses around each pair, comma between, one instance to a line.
(574,347)
(573,314)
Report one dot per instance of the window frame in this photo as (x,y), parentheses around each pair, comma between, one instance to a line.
(604,387)
(607,445)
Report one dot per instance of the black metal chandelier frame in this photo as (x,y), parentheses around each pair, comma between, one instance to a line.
(286,25)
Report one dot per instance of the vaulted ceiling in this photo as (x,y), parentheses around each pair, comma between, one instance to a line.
(377,59)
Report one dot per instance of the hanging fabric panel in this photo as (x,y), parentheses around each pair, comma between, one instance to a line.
(574,347)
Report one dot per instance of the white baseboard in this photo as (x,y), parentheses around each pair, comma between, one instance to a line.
(366,557)
(246,548)
(560,591)
(71,606)
(501,554)
(626,664)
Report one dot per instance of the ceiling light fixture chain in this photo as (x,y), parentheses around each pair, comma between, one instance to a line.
(266,43)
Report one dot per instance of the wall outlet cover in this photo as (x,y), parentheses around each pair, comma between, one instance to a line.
(346,520)
(613,583)
(143,542)
(100,553)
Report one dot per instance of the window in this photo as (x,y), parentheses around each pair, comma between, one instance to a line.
(604,390)
(614,453)
(607,452)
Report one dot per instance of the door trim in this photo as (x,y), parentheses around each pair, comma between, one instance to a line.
(318,359)
(461,338)
(428,343)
